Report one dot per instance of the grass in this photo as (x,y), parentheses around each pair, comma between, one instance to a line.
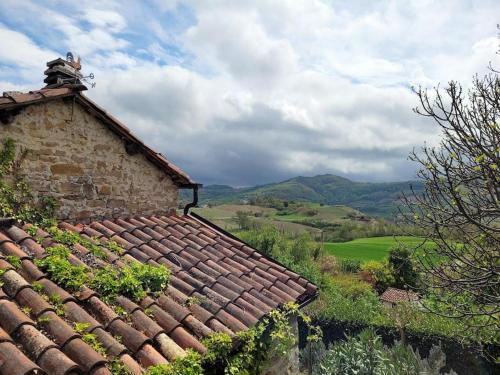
(371,248)
(296,222)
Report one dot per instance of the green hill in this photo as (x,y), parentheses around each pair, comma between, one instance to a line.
(377,199)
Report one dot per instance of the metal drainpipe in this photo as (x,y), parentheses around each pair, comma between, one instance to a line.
(194,202)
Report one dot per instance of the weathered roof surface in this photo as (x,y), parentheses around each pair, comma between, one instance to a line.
(394,295)
(218,284)
(11,101)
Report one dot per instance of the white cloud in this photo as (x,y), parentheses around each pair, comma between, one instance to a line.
(254,91)
(105,19)
(17,49)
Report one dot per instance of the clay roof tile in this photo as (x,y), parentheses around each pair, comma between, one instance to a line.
(53,361)
(149,356)
(33,341)
(14,362)
(12,318)
(217,284)
(30,271)
(164,320)
(58,329)
(186,340)
(112,346)
(248,307)
(131,338)
(84,355)
(173,308)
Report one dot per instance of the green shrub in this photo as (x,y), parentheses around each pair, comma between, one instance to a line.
(133,280)
(265,239)
(334,303)
(405,274)
(351,285)
(350,265)
(188,365)
(380,272)
(366,355)
(61,270)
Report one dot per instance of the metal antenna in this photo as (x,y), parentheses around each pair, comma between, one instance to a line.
(88,79)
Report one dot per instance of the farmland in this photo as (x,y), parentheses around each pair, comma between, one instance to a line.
(347,233)
(297,219)
(371,248)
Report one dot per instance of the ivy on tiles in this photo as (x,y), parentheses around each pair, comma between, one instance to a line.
(134,280)
(248,351)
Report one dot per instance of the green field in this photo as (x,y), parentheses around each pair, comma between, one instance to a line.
(295,222)
(371,248)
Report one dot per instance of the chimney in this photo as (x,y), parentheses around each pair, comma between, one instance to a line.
(64,73)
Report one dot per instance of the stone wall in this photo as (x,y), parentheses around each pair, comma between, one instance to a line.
(84,165)
(288,364)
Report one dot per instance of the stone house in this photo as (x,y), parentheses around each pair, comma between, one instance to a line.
(111,186)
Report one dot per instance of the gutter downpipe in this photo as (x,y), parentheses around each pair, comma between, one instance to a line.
(195,199)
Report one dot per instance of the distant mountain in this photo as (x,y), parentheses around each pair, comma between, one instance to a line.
(377,199)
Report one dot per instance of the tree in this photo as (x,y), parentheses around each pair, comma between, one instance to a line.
(459,209)
(400,262)
(379,274)
(243,220)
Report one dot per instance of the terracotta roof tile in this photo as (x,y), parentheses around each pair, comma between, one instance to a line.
(394,295)
(34,342)
(58,329)
(101,370)
(132,366)
(165,320)
(30,271)
(4,336)
(185,340)
(76,313)
(101,311)
(112,346)
(173,308)
(218,284)
(243,316)
(55,362)
(149,356)
(84,355)
(12,318)
(14,362)
(248,307)
(229,321)
(169,347)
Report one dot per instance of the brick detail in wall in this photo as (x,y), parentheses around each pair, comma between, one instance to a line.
(84,165)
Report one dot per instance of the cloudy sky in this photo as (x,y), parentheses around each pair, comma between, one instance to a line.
(248,92)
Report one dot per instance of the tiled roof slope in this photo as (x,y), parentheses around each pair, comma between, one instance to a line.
(218,284)
(394,295)
(11,101)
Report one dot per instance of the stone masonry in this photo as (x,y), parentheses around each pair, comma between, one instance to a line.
(76,159)
(285,364)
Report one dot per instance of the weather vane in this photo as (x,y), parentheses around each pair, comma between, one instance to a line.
(77,66)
